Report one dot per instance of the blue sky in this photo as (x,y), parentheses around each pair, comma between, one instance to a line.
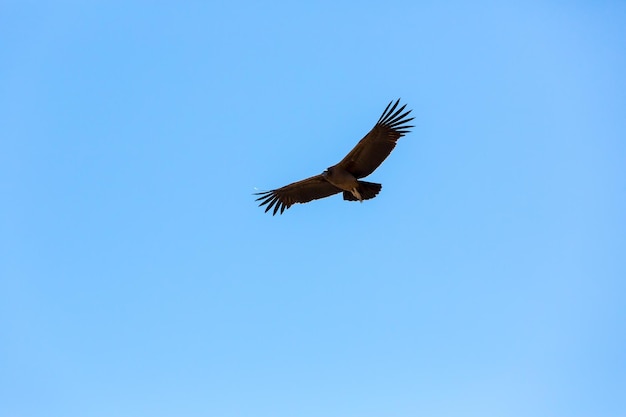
(139,278)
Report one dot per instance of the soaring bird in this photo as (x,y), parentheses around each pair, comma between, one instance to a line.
(344,177)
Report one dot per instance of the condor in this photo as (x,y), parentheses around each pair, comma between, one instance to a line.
(344,177)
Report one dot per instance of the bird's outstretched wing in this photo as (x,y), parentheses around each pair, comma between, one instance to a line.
(372,150)
(298,192)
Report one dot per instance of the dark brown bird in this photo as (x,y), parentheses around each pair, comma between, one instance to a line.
(366,156)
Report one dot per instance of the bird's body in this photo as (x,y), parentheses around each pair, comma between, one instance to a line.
(344,177)
(343,180)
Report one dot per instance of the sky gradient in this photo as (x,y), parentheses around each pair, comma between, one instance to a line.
(138,277)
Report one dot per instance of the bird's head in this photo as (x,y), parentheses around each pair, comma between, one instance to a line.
(327,172)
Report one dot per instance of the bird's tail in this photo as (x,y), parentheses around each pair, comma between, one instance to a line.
(366,190)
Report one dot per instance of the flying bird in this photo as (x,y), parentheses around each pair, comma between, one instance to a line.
(344,177)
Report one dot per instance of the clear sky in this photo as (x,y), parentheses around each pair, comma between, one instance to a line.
(138,277)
